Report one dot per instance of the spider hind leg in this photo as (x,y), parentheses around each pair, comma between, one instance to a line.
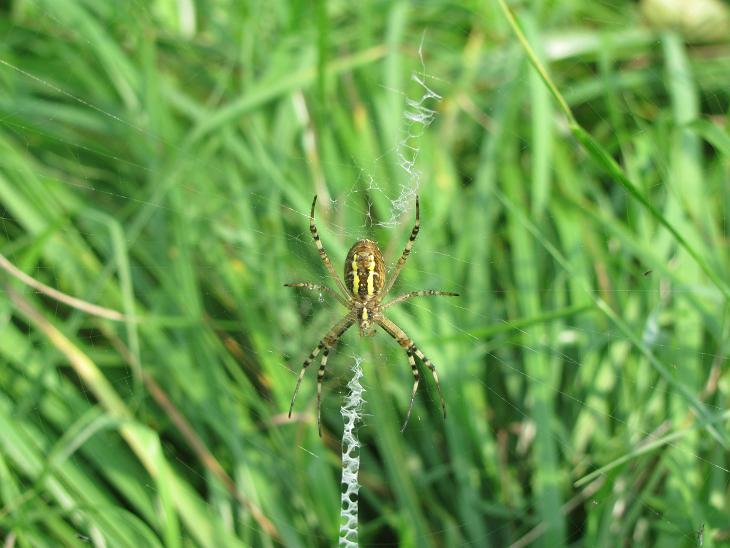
(410,347)
(324,346)
(320,376)
(416,379)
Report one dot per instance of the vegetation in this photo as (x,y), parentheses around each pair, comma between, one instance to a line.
(158,162)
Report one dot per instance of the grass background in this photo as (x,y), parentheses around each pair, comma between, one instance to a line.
(159,158)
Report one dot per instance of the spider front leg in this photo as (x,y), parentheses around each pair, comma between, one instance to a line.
(322,253)
(410,347)
(317,287)
(406,251)
(325,344)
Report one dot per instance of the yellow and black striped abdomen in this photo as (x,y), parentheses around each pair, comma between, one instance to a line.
(364,270)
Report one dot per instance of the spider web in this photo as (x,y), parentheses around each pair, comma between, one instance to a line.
(347,218)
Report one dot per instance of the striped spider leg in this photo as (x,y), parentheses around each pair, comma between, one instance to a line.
(410,347)
(329,340)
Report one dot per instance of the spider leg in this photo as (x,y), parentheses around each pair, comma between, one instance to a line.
(406,251)
(322,252)
(317,287)
(325,344)
(432,367)
(424,293)
(416,379)
(320,376)
(410,347)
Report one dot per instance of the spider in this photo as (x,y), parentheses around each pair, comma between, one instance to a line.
(364,288)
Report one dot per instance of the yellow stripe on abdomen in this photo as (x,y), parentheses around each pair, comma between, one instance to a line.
(355,277)
(371,275)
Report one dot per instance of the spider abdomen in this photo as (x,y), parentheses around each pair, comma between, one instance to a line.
(364,270)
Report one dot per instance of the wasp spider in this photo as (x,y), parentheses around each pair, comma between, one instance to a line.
(363,289)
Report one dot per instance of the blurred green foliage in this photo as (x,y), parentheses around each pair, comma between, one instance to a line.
(159,159)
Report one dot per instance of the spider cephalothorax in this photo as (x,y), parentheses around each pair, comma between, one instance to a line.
(362,291)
